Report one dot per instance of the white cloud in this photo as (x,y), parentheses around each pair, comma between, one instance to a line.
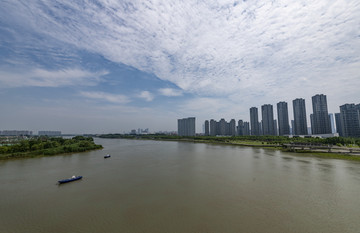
(169,92)
(213,47)
(49,78)
(146,95)
(118,99)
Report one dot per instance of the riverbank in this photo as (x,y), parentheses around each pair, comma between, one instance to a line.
(44,146)
(320,147)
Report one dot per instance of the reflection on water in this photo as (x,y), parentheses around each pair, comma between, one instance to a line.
(303,161)
(153,186)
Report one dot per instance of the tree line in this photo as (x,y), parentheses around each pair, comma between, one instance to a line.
(47,146)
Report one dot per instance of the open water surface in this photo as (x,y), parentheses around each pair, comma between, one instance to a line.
(156,186)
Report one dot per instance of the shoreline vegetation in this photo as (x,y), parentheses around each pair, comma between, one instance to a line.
(335,147)
(47,146)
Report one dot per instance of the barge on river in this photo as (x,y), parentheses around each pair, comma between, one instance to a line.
(73,178)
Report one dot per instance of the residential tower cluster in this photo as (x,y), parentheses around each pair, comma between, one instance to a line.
(347,121)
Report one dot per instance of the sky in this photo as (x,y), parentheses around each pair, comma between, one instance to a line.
(109,66)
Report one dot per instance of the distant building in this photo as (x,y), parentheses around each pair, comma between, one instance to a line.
(350,120)
(283,118)
(246,130)
(240,128)
(267,119)
(133,132)
(254,121)
(207,125)
(223,125)
(49,133)
(276,131)
(186,126)
(212,127)
(300,123)
(143,131)
(232,127)
(339,127)
(321,122)
(16,133)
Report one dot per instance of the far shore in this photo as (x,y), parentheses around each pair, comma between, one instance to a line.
(324,151)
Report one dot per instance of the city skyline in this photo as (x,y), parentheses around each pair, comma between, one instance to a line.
(322,123)
(110,67)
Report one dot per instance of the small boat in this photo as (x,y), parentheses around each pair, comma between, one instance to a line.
(73,178)
(107,156)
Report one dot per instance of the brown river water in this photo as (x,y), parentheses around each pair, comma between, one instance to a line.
(157,186)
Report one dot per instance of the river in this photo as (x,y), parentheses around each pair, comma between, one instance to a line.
(158,186)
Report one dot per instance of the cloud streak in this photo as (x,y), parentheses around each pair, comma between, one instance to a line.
(49,78)
(170,92)
(208,47)
(102,96)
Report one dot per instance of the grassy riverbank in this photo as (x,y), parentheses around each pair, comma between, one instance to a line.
(47,146)
(275,142)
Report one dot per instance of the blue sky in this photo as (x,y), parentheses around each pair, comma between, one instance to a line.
(112,66)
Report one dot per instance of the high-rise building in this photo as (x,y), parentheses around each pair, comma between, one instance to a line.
(254,121)
(267,119)
(186,126)
(232,127)
(283,118)
(339,127)
(321,122)
(300,123)
(223,124)
(222,127)
(212,127)
(350,120)
(207,132)
(246,128)
(240,128)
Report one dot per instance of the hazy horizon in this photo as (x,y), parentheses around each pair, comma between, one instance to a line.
(112,66)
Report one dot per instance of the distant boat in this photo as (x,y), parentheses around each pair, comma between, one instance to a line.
(107,156)
(73,178)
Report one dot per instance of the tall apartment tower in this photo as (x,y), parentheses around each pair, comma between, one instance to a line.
(254,121)
(339,127)
(186,126)
(246,128)
(223,125)
(283,118)
(212,127)
(207,132)
(300,123)
(232,127)
(267,114)
(350,120)
(321,122)
(240,128)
